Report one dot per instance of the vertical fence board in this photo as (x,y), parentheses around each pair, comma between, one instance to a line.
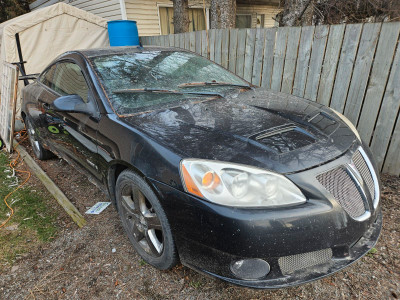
(212,43)
(233,35)
(176,40)
(279,58)
(268,62)
(198,42)
(241,47)
(345,66)
(290,59)
(332,53)
(171,40)
(300,78)
(225,48)
(249,54)
(182,40)
(258,56)
(378,78)
(388,113)
(315,66)
(392,160)
(187,41)
(192,41)
(204,44)
(362,68)
(218,46)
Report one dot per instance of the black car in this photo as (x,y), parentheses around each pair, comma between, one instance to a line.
(257,188)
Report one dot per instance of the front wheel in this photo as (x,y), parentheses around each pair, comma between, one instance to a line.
(145,221)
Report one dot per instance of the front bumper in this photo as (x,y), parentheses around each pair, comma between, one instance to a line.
(211,237)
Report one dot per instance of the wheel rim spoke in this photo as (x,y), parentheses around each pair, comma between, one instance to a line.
(152,221)
(154,244)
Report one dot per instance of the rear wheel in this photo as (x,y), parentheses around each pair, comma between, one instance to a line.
(40,152)
(144,221)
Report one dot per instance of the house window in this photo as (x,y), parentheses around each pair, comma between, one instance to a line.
(243,21)
(196,19)
(260,21)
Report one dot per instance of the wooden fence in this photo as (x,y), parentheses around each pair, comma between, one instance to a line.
(353,68)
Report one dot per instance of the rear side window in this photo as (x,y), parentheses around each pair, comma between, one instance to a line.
(68,80)
(47,77)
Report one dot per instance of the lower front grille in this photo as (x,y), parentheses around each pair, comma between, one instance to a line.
(341,185)
(292,263)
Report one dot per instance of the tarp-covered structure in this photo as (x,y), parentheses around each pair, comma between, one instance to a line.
(48,32)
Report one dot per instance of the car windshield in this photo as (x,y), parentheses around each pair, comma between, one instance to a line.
(139,81)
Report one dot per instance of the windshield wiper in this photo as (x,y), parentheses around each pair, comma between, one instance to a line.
(163,91)
(214,83)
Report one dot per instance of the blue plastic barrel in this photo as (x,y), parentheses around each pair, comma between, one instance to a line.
(123,33)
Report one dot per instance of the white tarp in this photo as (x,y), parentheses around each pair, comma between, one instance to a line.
(48,32)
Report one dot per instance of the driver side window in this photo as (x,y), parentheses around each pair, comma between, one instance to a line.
(68,80)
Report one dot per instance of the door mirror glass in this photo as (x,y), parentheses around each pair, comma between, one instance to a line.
(71,104)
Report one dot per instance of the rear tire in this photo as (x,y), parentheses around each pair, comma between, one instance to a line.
(40,152)
(145,221)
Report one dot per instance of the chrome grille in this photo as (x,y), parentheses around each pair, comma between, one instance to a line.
(341,185)
(292,263)
(364,171)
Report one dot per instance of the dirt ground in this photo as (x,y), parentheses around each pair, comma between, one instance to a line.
(97,261)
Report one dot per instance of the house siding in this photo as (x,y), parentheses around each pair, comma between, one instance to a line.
(146,14)
(108,9)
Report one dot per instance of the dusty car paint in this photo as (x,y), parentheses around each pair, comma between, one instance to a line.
(259,128)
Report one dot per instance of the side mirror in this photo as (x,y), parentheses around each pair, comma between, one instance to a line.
(71,104)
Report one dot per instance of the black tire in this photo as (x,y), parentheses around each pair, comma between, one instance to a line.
(145,221)
(37,148)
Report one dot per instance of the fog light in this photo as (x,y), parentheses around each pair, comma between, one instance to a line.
(250,269)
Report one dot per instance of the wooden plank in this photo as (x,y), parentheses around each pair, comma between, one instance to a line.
(198,42)
(258,56)
(192,41)
(182,40)
(392,160)
(218,46)
(378,78)
(171,40)
(300,77)
(345,66)
(176,40)
(187,40)
(362,69)
(268,57)
(332,53)
(233,38)
(279,58)
(249,54)
(212,44)
(71,210)
(315,66)
(387,114)
(204,44)
(225,48)
(241,48)
(289,68)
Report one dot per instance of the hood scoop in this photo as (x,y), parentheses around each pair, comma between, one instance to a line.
(285,138)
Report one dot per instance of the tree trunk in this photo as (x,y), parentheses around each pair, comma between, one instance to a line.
(181,16)
(293,12)
(223,14)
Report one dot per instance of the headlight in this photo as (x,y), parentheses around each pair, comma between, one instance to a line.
(348,123)
(238,185)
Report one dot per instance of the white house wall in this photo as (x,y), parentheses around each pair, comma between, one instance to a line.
(108,9)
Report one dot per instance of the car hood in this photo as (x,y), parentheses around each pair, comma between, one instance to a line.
(261,128)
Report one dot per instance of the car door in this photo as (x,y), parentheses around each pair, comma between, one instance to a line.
(71,135)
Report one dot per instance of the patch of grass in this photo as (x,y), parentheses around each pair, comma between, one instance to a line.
(33,222)
(195,284)
(372,252)
(142,263)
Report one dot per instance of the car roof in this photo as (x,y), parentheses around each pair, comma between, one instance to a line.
(90,53)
